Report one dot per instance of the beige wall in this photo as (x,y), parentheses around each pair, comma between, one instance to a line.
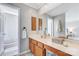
(25,20)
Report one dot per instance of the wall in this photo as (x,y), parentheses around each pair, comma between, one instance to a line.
(56,21)
(25,20)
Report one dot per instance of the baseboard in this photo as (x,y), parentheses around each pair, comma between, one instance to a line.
(24,52)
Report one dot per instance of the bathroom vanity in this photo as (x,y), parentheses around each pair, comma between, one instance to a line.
(38,46)
(39,49)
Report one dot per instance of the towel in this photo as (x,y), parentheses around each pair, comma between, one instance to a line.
(24,34)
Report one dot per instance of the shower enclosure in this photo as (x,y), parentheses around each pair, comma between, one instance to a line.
(9,31)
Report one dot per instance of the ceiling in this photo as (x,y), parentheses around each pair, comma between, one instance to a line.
(43,8)
(36,6)
(51,9)
(63,8)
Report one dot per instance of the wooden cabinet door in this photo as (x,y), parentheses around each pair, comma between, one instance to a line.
(33,49)
(38,51)
(56,51)
(33,24)
(30,43)
(31,46)
(39,24)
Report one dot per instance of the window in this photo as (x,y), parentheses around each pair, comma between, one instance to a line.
(50,26)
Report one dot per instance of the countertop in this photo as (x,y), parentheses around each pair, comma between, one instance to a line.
(72,49)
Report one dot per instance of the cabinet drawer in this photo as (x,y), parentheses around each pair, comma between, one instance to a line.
(41,45)
(34,42)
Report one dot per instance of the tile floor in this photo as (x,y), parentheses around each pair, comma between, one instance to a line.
(27,54)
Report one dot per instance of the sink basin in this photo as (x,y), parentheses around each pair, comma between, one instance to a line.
(58,40)
(70,43)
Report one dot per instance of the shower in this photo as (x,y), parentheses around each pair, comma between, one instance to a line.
(9,30)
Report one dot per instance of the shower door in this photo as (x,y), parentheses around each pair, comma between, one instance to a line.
(1,33)
(9,31)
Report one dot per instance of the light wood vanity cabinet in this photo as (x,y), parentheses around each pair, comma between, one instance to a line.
(36,47)
(41,45)
(32,46)
(39,49)
(56,51)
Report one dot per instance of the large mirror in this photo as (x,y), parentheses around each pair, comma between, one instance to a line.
(65,21)
(72,22)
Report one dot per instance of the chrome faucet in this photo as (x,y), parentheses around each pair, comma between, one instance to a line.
(69,35)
